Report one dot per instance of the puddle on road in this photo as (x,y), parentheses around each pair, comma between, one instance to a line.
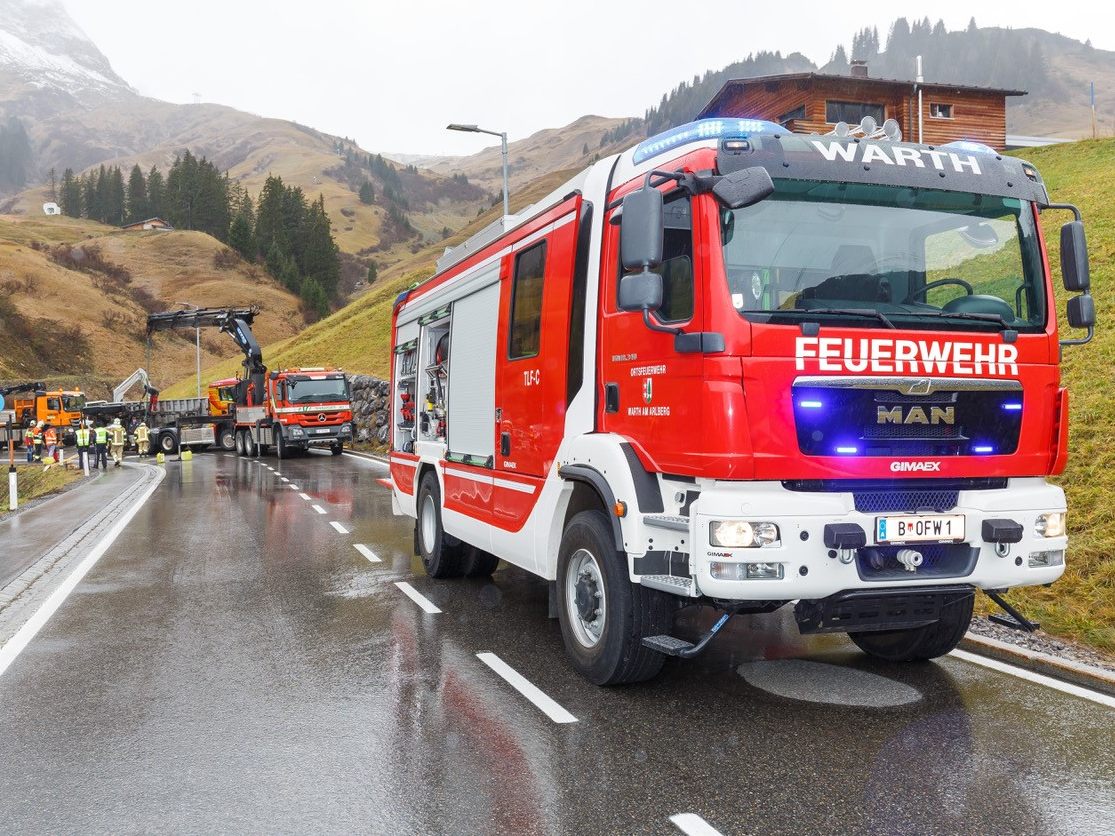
(799,679)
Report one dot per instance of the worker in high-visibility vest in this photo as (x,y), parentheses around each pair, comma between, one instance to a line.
(29,443)
(37,438)
(117,437)
(82,437)
(100,437)
(143,438)
(50,441)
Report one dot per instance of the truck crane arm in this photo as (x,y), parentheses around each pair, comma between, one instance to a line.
(237,323)
(17,389)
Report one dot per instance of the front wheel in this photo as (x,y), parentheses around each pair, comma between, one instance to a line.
(337,449)
(226,439)
(604,616)
(442,554)
(920,643)
(168,443)
(281,449)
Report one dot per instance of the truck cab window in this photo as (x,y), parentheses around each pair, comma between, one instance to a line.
(677,260)
(526,302)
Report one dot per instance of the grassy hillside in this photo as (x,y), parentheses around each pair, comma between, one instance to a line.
(1082,604)
(74,296)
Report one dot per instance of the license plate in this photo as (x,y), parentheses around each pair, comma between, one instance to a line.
(322,431)
(920,528)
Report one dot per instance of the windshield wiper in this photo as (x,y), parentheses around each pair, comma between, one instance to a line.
(993,318)
(871,312)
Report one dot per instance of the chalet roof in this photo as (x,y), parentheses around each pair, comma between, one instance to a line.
(148,221)
(711,109)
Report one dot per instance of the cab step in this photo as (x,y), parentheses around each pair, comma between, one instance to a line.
(672,522)
(673,646)
(674,584)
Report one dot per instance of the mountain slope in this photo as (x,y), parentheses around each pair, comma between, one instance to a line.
(74,296)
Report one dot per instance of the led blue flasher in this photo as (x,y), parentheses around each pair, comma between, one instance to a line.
(702,129)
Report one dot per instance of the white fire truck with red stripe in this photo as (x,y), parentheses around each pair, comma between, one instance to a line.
(742,368)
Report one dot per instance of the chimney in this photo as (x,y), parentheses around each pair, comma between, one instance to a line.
(859,68)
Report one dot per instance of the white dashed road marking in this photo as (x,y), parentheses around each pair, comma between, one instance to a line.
(368,553)
(417,597)
(318,508)
(305,496)
(340,528)
(521,684)
(693,825)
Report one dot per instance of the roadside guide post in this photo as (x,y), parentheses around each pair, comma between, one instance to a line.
(13,482)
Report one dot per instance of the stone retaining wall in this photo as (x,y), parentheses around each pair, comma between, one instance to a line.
(369,407)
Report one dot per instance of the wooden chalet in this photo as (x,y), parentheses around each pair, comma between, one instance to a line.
(815,102)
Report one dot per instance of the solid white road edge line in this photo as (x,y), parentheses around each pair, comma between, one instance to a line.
(368,553)
(23,636)
(305,496)
(367,458)
(521,684)
(1040,679)
(693,825)
(417,597)
(318,508)
(340,528)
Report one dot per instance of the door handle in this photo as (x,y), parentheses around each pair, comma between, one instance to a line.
(505,444)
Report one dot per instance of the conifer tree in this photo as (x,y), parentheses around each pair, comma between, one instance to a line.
(155,193)
(137,195)
(367,193)
(70,194)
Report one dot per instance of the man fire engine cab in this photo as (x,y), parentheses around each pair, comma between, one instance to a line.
(743,368)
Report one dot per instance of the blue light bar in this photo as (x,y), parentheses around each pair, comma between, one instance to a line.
(982,448)
(970,147)
(810,404)
(700,130)
(1012,406)
(845,450)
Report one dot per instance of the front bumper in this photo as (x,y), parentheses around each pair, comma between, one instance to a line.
(812,570)
(318,436)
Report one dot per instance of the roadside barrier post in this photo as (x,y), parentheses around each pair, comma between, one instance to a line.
(13,480)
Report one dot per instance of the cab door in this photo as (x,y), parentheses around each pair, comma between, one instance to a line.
(532,351)
(652,394)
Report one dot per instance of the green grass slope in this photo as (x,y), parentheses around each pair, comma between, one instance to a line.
(1082,605)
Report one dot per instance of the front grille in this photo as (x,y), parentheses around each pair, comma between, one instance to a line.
(836,421)
(939,560)
(904,501)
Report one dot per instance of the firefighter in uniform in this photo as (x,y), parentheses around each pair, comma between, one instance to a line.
(37,438)
(143,438)
(29,443)
(118,436)
(100,435)
(81,440)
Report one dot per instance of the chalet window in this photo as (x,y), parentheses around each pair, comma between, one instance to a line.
(853,112)
(796,113)
(940,111)
(526,302)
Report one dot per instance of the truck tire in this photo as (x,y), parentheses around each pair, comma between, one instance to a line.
(168,443)
(281,449)
(479,563)
(226,439)
(337,449)
(442,554)
(251,449)
(920,643)
(604,617)
(238,440)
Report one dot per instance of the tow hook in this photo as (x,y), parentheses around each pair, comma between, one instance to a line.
(909,558)
(1013,618)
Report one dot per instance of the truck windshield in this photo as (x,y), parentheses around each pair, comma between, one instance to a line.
(325,390)
(845,253)
(73,403)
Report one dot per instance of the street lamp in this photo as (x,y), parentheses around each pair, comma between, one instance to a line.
(473,129)
(197,344)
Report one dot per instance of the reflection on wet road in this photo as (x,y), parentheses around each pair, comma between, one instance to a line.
(237,661)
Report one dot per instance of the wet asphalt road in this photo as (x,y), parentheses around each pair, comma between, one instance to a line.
(233,663)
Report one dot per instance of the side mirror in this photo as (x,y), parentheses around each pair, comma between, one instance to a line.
(1074,258)
(744,187)
(1082,311)
(640,292)
(641,230)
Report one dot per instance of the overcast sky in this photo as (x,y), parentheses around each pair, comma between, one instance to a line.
(391,75)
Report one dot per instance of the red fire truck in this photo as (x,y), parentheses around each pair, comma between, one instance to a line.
(742,368)
(293,410)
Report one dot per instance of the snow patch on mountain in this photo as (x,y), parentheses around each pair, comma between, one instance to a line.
(42,45)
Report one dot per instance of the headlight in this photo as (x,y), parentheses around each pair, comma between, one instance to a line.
(1051,524)
(741,534)
(346,429)
(745,571)
(296,430)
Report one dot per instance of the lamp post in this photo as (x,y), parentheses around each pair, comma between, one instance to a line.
(473,129)
(197,345)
